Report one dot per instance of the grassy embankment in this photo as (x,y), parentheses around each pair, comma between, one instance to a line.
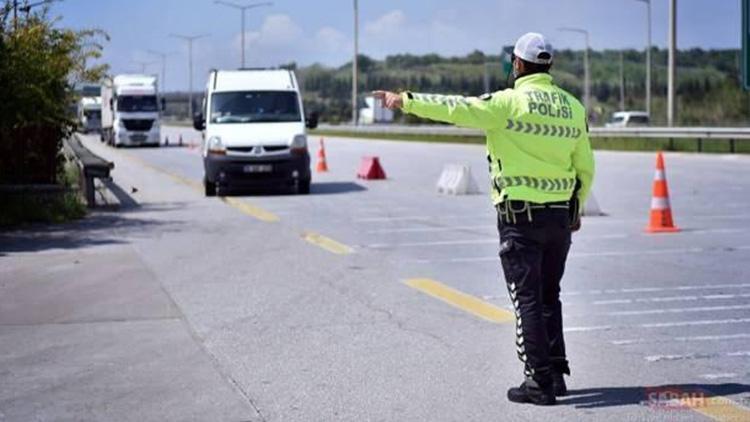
(48,207)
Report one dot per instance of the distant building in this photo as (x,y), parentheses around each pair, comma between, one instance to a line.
(374,112)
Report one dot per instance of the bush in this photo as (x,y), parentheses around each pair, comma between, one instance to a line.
(39,66)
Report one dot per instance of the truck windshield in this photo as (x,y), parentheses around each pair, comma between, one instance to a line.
(93,114)
(255,107)
(137,103)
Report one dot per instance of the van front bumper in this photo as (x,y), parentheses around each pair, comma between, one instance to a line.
(233,172)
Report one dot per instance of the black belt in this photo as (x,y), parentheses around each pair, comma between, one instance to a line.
(513,211)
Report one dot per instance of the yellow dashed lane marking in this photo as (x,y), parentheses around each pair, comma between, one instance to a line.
(242,206)
(460,300)
(327,243)
(720,409)
(251,210)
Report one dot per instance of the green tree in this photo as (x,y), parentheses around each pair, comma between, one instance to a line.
(39,66)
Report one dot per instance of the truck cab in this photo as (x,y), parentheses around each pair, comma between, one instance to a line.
(131,111)
(254,131)
(90,114)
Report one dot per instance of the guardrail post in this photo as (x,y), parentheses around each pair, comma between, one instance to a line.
(732,147)
(90,192)
(700,144)
(671,144)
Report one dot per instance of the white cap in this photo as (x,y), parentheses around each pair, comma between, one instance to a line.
(533,48)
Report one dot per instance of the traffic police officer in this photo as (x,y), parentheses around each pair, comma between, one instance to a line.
(541,168)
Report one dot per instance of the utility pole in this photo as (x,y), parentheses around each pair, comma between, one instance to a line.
(648,56)
(622,81)
(143,65)
(163,57)
(586,69)
(671,74)
(486,77)
(189,39)
(355,72)
(242,9)
(26,8)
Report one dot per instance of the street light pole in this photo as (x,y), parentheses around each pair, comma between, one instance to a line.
(586,69)
(242,9)
(189,39)
(355,72)
(622,81)
(648,56)
(143,65)
(163,57)
(671,62)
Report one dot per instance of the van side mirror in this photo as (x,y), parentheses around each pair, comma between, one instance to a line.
(312,120)
(163,104)
(199,123)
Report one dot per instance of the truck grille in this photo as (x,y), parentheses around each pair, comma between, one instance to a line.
(139,125)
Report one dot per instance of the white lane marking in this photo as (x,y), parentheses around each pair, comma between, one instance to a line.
(711,338)
(430,229)
(679,310)
(637,253)
(626,342)
(434,243)
(659,325)
(584,329)
(571,256)
(699,322)
(719,376)
(669,299)
(492,229)
(657,289)
(659,358)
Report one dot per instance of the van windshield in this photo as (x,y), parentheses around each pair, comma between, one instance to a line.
(137,103)
(255,107)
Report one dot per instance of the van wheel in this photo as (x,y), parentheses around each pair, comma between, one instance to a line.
(303,187)
(210,188)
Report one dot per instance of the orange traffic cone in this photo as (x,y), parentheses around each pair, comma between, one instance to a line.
(661,211)
(322,165)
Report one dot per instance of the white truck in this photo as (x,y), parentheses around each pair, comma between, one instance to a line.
(90,114)
(131,109)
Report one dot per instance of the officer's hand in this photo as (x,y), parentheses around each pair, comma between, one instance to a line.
(576,225)
(390,100)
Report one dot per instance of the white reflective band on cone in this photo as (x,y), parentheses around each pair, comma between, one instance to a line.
(659,175)
(659,203)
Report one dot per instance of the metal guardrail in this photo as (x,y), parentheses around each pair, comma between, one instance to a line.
(91,166)
(731,134)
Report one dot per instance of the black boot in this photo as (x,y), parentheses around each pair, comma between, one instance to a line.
(558,384)
(531,392)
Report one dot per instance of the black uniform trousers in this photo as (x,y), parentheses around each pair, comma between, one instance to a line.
(534,245)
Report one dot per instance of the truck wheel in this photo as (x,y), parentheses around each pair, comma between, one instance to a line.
(209,188)
(303,187)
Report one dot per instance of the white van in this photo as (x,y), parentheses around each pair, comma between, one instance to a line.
(254,131)
(628,119)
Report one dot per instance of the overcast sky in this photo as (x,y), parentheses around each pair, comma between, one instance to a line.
(308,31)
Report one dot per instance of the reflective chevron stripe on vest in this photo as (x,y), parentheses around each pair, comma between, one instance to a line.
(560,131)
(541,183)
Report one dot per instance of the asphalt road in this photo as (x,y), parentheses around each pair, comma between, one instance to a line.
(326,307)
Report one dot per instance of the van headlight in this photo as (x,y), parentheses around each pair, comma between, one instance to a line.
(215,146)
(299,144)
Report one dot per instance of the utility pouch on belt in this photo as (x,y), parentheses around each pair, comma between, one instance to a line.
(575,206)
